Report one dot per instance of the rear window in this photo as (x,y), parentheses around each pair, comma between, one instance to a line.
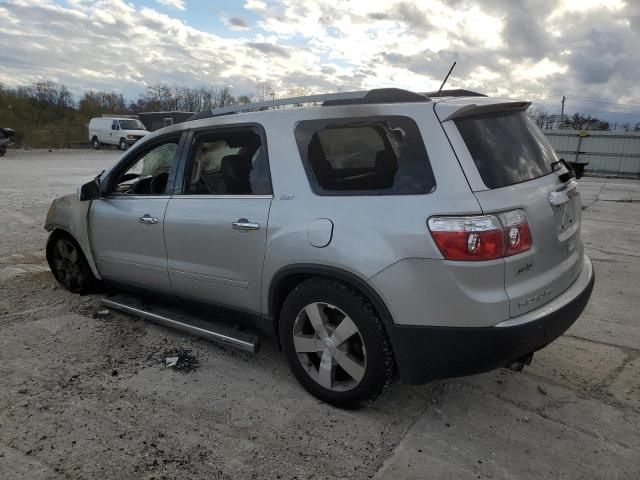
(507,148)
(365,156)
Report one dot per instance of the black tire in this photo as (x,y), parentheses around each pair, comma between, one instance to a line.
(123,144)
(3,150)
(95,143)
(334,299)
(69,265)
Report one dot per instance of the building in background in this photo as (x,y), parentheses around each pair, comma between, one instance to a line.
(156,120)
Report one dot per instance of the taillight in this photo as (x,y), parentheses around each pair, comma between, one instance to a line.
(483,237)
(517,231)
(468,238)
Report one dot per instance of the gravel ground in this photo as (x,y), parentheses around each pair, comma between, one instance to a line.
(83,395)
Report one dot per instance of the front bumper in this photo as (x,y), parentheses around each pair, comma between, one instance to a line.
(424,353)
(131,141)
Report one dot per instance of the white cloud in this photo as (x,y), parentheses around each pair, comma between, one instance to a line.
(177,4)
(529,48)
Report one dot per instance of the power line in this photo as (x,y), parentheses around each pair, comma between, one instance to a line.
(591,99)
(597,100)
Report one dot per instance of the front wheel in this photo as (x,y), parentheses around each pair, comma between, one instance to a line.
(95,143)
(123,144)
(68,264)
(335,343)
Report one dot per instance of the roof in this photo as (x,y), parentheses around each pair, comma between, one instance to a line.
(364,97)
(363,103)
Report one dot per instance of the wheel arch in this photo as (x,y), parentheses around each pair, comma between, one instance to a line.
(70,215)
(287,278)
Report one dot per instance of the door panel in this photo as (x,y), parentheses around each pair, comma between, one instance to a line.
(125,248)
(126,225)
(211,260)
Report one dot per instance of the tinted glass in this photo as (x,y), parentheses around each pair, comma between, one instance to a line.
(507,148)
(365,156)
(229,163)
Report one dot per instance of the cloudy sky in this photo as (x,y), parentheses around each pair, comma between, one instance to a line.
(535,49)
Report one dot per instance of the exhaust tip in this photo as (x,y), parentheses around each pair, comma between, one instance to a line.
(519,364)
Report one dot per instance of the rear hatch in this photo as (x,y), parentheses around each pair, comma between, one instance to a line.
(510,165)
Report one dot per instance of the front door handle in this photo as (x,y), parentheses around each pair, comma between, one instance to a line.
(244,225)
(148,219)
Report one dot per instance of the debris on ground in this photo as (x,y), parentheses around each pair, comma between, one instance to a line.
(172,361)
(180,359)
(102,314)
(542,390)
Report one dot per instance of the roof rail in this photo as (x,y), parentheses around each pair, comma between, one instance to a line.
(250,107)
(379,95)
(456,92)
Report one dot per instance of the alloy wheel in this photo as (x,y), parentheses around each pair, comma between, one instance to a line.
(67,264)
(329,346)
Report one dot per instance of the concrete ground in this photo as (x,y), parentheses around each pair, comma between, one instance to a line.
(84,397)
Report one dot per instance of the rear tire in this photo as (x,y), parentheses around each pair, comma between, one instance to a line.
(335,343)
(69,265)
(95,143)
(123,144)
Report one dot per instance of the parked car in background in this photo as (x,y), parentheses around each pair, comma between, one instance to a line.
(381,233)
(119,131)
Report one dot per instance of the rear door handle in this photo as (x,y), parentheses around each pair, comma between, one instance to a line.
(244,225)
(148,219)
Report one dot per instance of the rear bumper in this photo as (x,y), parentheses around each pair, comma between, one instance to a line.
(424,353)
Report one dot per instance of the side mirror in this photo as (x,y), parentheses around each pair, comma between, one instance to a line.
(89,191)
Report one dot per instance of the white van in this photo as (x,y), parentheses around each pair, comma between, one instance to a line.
(115,131)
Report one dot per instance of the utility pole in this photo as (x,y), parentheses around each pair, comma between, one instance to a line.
(562,112)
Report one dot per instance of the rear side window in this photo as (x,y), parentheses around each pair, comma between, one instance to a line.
(229,162)
(507,148)
(365,156)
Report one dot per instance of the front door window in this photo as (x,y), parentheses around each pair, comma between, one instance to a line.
(149,172)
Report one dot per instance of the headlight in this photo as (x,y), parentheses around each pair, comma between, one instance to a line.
(130,137)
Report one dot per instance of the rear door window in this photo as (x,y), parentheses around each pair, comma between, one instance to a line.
(229,162)
(365,156)
(507,147)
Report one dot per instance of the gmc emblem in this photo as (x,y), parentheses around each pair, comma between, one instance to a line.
(573,192)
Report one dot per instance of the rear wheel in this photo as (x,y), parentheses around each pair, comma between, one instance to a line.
(95,143)
(69,265)
(123,144)
(335,344)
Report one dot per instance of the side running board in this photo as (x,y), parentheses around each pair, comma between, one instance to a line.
(173,318)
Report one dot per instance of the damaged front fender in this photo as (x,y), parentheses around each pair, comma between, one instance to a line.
(71,215)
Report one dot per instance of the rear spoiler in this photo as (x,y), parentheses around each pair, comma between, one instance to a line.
(473,109)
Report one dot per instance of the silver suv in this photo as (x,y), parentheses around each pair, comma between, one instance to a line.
(376,234)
